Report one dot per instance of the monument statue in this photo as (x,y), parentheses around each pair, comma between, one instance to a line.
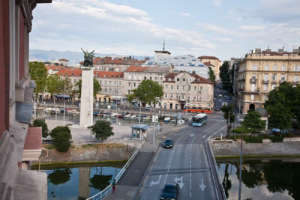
(88,58)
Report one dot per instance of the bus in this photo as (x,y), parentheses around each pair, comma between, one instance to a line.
(200,120)
(197,110)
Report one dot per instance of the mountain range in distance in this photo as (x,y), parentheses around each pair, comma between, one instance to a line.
(72,56)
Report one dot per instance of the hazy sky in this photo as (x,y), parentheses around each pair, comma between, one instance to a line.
(222,28)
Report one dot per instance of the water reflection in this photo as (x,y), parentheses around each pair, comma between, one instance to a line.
(78,183)
(273,179)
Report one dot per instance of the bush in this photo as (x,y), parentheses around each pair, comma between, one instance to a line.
(251,139)
(41,123)
(276,138)
(61,138)
(240,129)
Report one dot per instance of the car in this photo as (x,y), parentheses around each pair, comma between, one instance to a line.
(170,192)
(278,131)
(168,143)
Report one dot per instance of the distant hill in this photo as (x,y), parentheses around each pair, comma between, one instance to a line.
(47,55)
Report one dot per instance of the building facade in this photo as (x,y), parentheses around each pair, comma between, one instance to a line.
(260,72)
(187,90)
(16,89)
(216,62)
(115,64)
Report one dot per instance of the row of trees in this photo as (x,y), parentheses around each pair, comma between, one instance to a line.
(54,84)
(227,76)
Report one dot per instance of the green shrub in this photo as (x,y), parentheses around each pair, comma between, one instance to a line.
(253,139)
(276,138)
(240,129)
(61,138)
(41,123)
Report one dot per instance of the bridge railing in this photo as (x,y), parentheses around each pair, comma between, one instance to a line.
(108,189)
(216,170)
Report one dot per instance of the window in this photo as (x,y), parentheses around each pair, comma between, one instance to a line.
(156,78)
(274,77)
(252,87)
(177,87)
(265,87)
(145,77)
(296,78)
(282,78)
(200,89)
(183,79)
(171,87)
(177,79)
(254,67)
(189,87)
(120,83)
(171,96)
(266,67)
(129,84)
(265,97)
(297,68)
(104,83)
(183,87)
(252,97)
(283,68)
(195,87)
(275,67)
(166,95)
(266,77)
(129,77)
(134,84)
(161,78)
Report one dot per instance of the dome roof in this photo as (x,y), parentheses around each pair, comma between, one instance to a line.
(262,111)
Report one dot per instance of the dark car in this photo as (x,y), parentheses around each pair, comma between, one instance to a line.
(168,143)
(170,192)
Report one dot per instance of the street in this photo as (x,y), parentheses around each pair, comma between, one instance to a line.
(186,164)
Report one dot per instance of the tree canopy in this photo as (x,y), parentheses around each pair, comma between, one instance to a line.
(97,87)
(226,76)
(283,104)
(55,85)
(253,122)
(147,92)
(229,116)
(38,73)
(212,76)
(102,129)
(41,123)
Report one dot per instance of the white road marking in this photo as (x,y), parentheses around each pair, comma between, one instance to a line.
(155,182)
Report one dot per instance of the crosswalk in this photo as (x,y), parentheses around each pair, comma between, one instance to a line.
(216,119)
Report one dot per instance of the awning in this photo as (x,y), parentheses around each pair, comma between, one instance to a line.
(141,127)
(116,97)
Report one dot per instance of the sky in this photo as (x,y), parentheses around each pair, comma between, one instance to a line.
(221,28)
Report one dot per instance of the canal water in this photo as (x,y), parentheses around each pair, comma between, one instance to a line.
(261,179)
(78,182)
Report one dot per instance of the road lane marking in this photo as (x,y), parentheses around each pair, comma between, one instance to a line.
(202,186)
(155,182)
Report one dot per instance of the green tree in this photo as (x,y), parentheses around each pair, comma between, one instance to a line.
(226,76)
(102,129)
(61,137)
(38,73)
(55,85)
(253,122)
(69,88)
(212,76)
(97,87)
(229,117)
(41,123)
(147,92)
(283,104)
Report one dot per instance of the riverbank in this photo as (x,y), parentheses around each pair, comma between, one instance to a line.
(252,150)
(88,153)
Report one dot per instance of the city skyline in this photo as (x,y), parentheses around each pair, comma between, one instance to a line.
(220,28)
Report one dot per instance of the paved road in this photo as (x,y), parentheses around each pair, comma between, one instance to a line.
(187,164)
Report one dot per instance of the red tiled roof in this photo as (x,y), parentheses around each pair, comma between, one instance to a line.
(63,59)
(105,74)
(208,57)
(136,69)
(54,67)
(70,72)
(208,64)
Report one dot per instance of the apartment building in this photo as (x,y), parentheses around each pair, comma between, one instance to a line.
(184,89)
(260,72)
(19,143)
(215,64)
(134,75)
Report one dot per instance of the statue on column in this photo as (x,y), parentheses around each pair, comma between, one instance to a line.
(88,58)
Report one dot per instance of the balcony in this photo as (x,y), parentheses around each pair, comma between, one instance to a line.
(273,82)
(241,80)
(253,80)
(265,81)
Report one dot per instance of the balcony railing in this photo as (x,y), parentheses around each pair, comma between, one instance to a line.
(265,81)
(273,82)
(253,80)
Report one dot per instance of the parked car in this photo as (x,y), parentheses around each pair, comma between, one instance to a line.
(170,191)
(278,131)
(168,143)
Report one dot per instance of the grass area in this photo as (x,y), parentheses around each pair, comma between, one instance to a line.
(239,130)
(49,146)
(111,163)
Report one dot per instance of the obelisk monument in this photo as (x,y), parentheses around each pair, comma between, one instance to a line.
(87,90)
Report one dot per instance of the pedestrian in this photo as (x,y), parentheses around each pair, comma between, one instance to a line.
(114,185)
